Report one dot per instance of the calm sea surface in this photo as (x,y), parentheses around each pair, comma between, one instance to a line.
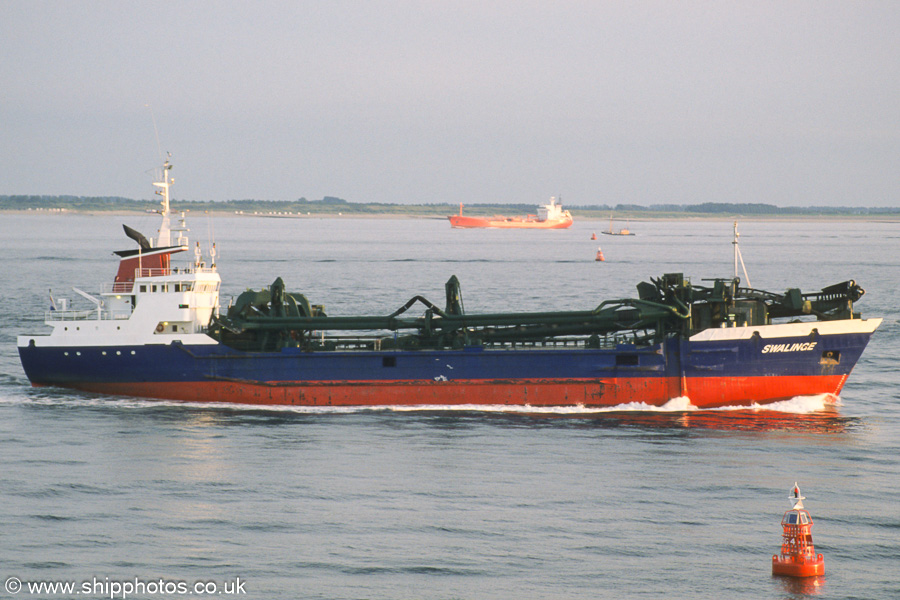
(444,504)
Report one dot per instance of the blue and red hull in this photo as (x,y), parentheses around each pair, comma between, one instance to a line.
(712,373)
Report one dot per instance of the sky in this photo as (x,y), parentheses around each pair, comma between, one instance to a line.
(599,102)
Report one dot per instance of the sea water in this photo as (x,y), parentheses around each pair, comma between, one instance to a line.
(123,497)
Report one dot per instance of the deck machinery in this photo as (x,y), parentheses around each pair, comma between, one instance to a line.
(272,319)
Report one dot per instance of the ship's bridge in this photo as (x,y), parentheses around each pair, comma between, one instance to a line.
(180,300)
(149,296)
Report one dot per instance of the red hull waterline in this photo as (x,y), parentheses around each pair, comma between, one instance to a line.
(708,392)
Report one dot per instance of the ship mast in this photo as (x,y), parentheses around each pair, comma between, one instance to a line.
(165,182)
(738,257)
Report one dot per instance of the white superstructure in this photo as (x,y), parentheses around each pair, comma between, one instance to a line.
(552,211)
(150,301)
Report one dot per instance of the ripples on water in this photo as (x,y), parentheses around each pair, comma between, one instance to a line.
(462,503)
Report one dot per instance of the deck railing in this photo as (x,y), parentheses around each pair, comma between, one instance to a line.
(86,315)
(173,271)
(72,315)
(127,287)
(121,287)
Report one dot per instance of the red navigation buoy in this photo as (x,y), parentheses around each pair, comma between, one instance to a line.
(599,255)
(798,555)
(593,236)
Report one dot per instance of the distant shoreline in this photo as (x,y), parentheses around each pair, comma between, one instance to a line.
(333,207)
(630,215)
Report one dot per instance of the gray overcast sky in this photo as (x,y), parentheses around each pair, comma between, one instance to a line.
(788,103)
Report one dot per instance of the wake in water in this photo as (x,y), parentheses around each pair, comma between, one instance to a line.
(800,405)
(807,414)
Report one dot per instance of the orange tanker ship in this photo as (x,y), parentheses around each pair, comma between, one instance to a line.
(550,216)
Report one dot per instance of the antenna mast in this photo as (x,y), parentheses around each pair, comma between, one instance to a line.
(155,130)
(164,182)
(738,257)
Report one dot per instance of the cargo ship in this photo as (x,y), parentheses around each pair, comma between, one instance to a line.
(549,216)
(156,331)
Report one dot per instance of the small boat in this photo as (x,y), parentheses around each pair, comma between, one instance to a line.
(623,231)
(550,216)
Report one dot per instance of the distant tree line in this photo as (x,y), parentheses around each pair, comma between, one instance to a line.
(333,205)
